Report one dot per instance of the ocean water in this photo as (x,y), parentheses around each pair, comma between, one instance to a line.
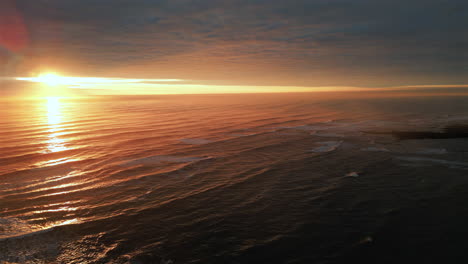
(263,178)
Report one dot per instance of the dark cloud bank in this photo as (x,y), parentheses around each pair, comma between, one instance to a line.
(322,42)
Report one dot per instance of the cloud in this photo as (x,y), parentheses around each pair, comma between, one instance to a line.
(258,42)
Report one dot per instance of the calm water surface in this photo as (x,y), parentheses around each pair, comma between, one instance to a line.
(289,178)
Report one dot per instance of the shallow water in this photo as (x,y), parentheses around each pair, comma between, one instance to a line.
(231,179)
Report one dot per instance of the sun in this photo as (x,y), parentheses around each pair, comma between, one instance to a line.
(52,84)
(50,78)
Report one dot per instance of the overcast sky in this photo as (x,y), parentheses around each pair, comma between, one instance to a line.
(366,43)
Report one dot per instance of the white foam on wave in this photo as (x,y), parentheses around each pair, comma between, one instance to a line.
(13,226)
(352,174)
(326,146)
(436,151)
(195,141)
(424,160)
(162,159)
(342,128)
(347,127)
(375,149)
(459,118)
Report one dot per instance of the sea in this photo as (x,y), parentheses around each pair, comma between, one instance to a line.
(233,178)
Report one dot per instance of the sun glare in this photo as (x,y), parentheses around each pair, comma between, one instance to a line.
(51,84)
(50,79)
(53,79)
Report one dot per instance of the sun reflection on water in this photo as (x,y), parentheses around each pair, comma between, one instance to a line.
(54,114)
(54,120)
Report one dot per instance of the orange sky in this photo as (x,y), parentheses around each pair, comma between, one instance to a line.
(234,46)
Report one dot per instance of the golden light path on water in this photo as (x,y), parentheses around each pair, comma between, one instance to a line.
(54,117)
(54,143)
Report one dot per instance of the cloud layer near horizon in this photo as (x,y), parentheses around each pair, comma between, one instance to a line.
(241,42)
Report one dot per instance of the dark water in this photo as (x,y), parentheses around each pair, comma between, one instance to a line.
(290,178)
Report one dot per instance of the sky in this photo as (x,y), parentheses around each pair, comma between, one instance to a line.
(240,43)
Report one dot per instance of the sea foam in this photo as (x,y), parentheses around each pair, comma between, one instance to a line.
(375,149)
(424,160)
(326,146)
(432,151)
